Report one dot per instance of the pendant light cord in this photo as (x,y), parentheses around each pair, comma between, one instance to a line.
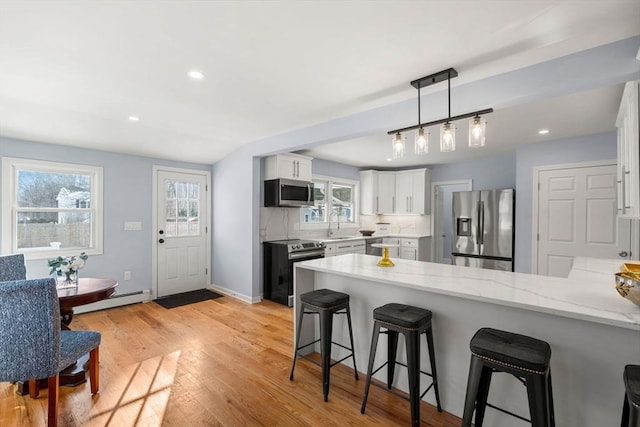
(419,106)
(449,91)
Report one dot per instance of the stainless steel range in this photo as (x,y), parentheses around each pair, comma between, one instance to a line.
(279,257)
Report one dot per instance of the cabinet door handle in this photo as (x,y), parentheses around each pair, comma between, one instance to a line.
(393,203)
(294,168)
(621,201)
(377,205)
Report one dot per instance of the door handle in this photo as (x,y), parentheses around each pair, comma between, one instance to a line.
(161,232)
(161,241)
(623,254)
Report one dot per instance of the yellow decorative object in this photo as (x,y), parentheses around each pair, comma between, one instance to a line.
(628,285)
(385,261)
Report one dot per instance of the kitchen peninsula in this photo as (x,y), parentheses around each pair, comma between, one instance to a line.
(593,332)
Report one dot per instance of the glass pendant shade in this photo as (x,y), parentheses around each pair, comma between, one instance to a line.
(422,142)
(397,143)
(477,132)
(447,138)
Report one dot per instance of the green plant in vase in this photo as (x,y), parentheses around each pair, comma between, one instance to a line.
(66,268)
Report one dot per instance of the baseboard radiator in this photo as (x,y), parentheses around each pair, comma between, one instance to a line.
(116,300)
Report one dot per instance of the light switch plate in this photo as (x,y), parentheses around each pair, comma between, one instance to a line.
(133,225)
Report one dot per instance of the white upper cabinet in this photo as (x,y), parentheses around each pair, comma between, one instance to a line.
(628,122)
(288,166)
(402,192)
(413,188)
(377,192)
(386,192)
(368,192)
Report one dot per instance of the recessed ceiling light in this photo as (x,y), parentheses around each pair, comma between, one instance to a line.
(543,131)
(195,75)
(134,118)
(389,159)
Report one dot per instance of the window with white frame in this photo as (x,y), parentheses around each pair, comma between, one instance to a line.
(334,202)
(50,208)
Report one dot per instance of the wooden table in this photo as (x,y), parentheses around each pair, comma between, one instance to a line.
(88,290)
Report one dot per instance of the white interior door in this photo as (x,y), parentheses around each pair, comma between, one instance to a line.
(443,217)
(181,232)
(577,216)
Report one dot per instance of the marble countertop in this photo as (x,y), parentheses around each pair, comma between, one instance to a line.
(588,294)
(359,237)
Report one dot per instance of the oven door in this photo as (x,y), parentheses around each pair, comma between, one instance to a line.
(296,257)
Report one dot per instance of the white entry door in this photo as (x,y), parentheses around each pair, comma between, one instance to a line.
(577,216)
(181,231)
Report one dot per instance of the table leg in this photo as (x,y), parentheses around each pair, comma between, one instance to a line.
(66,316)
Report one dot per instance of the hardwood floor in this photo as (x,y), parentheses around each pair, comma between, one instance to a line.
(215,363)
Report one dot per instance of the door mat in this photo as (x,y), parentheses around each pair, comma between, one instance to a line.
(177,300)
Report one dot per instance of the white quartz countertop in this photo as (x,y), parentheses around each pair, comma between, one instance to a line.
(588,294)
(375,235)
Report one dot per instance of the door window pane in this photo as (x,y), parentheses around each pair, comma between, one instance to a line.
(182,208)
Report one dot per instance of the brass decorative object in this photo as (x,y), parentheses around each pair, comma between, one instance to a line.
(628,285)
(385,261)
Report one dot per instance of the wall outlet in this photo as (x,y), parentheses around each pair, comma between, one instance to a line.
(127,275)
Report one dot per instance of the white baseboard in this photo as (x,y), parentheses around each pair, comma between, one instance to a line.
(236,295)
(115,301)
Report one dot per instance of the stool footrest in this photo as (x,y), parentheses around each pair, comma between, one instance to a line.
(497,408)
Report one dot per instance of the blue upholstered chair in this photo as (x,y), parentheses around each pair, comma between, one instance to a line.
(32,345)
(12,267)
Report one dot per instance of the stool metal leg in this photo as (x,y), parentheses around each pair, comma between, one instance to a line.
(326,325)
(353,348)
(412,340)
(552,417)
(475,372)
(483,395)
(297,343)
(538,400)
(432,361)
(372,356)
(625,412)
(392,351)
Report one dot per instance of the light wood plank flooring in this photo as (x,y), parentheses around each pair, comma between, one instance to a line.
(214,363)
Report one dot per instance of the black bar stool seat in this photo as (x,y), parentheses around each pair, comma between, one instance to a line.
(324,303)
(631,407)
(411,322)
(526,358)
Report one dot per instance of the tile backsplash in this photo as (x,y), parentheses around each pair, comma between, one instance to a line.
(284,223)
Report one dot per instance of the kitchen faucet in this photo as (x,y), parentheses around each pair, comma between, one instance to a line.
(330,230)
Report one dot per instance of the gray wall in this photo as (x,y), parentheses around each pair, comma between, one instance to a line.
(566,151)
(127,182)
(338,170)
(487,174)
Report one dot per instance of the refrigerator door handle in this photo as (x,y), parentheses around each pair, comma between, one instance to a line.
(481,223)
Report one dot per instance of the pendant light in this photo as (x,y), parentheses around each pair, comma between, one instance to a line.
(397,143)
(477,125)
(421,145)
(477,131)
(447,138)
(447,130)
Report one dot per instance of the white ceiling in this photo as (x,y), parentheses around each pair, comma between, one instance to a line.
(72,72)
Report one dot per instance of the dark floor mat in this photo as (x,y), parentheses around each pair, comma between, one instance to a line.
(177,300)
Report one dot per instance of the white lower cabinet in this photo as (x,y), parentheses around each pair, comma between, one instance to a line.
(358,246)
(416,249)
(351,247)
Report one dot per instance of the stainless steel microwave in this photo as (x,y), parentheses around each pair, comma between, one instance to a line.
(287,193)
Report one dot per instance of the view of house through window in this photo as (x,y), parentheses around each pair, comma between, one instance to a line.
(53,206)
(333,201)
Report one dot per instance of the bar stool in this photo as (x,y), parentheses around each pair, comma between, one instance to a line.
(411,322)
(325,303)
(631,407)
(524,357)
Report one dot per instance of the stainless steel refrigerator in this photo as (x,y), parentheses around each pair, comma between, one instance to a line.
(483,229)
